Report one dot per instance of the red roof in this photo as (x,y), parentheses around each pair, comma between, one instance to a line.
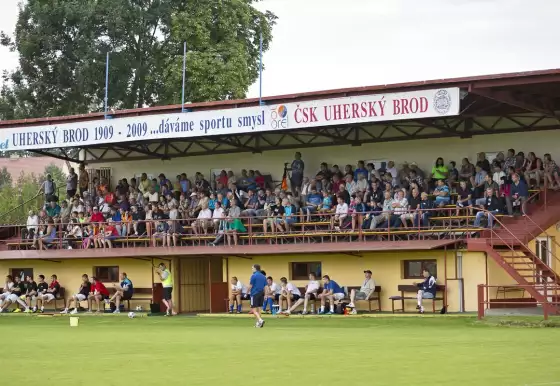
(496,80)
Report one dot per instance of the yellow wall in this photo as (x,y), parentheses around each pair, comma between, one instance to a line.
(424,152)
(554,234)
(348,270)
(69,272)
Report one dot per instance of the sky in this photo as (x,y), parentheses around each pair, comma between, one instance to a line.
(328,44)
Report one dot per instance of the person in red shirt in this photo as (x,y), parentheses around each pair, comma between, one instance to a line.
(98,292)
(97,216)
(108,232)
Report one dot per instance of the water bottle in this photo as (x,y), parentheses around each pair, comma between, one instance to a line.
(312,308)
(275,309)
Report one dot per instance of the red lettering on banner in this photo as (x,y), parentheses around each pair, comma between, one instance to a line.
(298,110)
(396,107)
(346,112)
(364,110)
(423,104)
(404,106)
(372,112)
(355,113)
(327,110)
(312,116)
(336,112)
(414,105)
(306,114)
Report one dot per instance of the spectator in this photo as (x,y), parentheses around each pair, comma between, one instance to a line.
(400,208)
(535,169)
(392,173)
(53,210)
(77,206)
(498,174)
(297,168)
(6,291)
(425,212)
(48,188)
(490,208)
(453,173)
(218,215)
(488,184)
(351,186)
(467,170)
(288,292)
(312,204)
(414,168)
(442,194)
(71,184)
(331,292)
(358,213)
(361,183)
(275,212)
(551,172)
(439,171)
(483,162)
(478,182)
(426,289)
(17,295)
(372,173)
(251,206)
(80,296)
(238,293)
(161,232)
(413,205)
(464,197)
(98,293)
(233,223)
(341,213)
(519,195)
(385,214)
(203,221)
(32,226)
(48,238)
(48,296)
(108,233)
(288,217)
(335,172)
(83,179)
(311,291)
(365,292)
(510,159)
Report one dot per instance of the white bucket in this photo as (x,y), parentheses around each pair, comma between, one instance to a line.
(74,321)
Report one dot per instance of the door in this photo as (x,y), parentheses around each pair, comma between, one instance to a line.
(543,250)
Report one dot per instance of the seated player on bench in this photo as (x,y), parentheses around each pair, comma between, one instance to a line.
(82,295)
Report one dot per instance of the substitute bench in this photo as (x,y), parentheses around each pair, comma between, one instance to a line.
(410,288)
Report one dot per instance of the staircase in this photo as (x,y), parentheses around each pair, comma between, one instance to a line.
(508,246)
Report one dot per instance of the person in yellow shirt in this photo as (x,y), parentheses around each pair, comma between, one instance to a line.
(167,282)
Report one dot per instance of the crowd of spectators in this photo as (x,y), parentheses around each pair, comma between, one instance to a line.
(349,197)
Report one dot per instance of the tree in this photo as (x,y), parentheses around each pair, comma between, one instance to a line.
(18,199)
(62,46)
(5,177)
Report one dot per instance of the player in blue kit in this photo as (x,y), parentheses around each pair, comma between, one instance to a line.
(256,289)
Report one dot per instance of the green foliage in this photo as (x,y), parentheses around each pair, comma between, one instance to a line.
(18,199)
(5,177)
(62,46)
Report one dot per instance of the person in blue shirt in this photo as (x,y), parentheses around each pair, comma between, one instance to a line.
(256,290)
(314,201)
(124,291)
(331,292)
(519,195)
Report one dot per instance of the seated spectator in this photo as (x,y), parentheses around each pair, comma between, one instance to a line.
(534,169)
(358,213)
(202,222)
(288,217)
(275,213)
(43,241)
(124,291)
(49,295)
(442,194)
(386,213)
(53,210)
(238,293)
(98,293)
(467,170)
(271,293)
(42,288)
(519,195)
(80,296)
(551,172)
(288,292)
(161,232)
(375,193)
(361,183)
(488,184)
(218,215)
(400,207)
(326,205)
(413,205)
(15,295)
(426,289)
(490,208)
(251,205)
(108,233)
(365,291)
(32,226)
(351,186)
(233,223)
(311,291)
(312,204)
(464,197)
(340,216)
(425,212)
(331,292)
(498,174)
(65,212)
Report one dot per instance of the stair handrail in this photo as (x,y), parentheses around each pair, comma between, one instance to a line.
(493,232)
(19,206)
(542,231)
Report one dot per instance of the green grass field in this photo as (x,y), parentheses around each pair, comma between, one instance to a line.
(294,351)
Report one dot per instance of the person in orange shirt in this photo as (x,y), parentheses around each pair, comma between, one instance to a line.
(98,292)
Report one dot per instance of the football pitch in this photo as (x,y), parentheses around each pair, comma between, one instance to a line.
(287,351)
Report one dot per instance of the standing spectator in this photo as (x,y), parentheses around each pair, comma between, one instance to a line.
(439,172)
(490,208)
(483,162)
(551,172)
(535,169)
(49,189)
(392,170)
(478,181)
(467,170)
(297,168)
(414,168)
(453,173)
(83,179)
(510,159)
(71,184)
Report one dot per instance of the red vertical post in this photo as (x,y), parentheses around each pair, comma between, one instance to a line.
(210,282)
(480,298)
(545,305)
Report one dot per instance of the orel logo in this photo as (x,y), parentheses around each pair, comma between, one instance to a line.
(442,102)
(279,117)
(4,145)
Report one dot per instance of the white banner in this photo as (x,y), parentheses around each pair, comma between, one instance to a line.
(323,112)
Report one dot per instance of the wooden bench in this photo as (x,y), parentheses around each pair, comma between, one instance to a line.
(374,297)
(410,288)
(139,295)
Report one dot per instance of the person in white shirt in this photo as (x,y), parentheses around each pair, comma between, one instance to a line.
(365,292)
(341,212)
(498,174)
(361,184)
(238,293)
(288,292)
(202,221)
(32,225)
(6,291)
(218,215)
(393,171)
(271,293)
(400,205)
(311,291)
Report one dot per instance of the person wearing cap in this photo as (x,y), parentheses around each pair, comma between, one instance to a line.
(365,290)
(414,167)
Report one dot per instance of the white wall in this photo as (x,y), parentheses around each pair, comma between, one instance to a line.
(424,152)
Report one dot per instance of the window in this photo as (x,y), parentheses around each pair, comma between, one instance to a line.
(21,272)
(107,274)
(413,268)
(301,271)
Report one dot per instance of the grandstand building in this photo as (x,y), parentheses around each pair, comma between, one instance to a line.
(394,128)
